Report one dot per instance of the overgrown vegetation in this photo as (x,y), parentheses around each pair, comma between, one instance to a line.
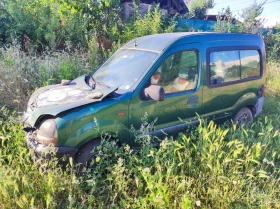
(198,8)
(224,22)
(273,45)
(21,73)
(52,25)
(251,22)
(208,167)
(62,40)
(211,166)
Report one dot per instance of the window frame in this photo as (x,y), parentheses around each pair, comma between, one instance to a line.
(232,48)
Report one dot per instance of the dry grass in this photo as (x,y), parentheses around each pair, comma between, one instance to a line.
(21,73)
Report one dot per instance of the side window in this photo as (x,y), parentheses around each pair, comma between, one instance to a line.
(234,65)
(250,63)
(224,67)
(178,72)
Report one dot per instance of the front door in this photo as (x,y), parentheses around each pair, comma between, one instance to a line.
(178,72)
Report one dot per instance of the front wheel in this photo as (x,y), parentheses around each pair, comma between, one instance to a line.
(243,117)
(85,158)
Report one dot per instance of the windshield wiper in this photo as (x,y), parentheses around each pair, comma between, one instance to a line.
(91,82)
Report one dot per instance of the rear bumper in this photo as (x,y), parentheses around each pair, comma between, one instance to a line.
(45,152)
(259,106)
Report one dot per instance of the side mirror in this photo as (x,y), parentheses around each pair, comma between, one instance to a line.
(154,92)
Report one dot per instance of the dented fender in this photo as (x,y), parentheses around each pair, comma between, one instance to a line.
(89,122)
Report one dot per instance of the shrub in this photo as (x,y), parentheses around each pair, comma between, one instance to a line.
(272,40)
(151,23)
(41,25)
(198,8)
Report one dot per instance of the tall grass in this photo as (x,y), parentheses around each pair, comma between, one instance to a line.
(273,82)
(22,73)
(208,167)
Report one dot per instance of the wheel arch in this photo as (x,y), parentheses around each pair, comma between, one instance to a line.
(252,108)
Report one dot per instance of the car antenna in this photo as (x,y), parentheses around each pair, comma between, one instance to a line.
(135,44)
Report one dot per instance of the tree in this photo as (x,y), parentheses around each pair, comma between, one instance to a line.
(224,21)
(228,11)
(250,15)
(198,8)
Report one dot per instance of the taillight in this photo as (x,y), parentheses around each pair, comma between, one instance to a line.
(261,91)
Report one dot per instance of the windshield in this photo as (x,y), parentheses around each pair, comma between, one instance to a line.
(124,68)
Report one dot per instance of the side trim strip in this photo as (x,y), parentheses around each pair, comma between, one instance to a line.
(171,129)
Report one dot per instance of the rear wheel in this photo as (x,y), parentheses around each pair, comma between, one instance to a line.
(85,158)
(244,117)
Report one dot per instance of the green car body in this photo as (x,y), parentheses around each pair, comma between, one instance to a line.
(217,76)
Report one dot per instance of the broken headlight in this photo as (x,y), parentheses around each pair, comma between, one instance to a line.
(47,132)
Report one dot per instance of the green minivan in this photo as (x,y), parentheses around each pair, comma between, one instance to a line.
(171,77)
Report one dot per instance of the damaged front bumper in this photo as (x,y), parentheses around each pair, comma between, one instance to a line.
(45,152)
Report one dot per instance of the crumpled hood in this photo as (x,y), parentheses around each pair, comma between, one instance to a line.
(60,95)
(54,99)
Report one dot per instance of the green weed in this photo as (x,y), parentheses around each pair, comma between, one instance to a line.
(211,166)
(273,80)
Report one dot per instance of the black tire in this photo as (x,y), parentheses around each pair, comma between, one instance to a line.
(244,117)
(86,155)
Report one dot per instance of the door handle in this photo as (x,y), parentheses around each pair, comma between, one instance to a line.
(193,102)
(193,99)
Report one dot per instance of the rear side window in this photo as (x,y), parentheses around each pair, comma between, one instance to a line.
(233,66)
(250,63)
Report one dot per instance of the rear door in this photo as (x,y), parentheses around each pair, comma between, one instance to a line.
(233,80)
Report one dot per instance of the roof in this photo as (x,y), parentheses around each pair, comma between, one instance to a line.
(159,42)
(155,42)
